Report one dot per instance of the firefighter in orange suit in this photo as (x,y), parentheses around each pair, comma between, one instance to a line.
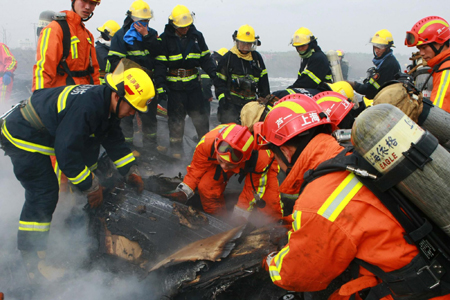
(8,65)
(222,153)
(50,70)
(336,219)
(431,36)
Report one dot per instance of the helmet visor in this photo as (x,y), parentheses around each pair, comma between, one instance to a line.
(228,153)
(261,142)
(183,20)
(246,46)
(411,39)
(300,39)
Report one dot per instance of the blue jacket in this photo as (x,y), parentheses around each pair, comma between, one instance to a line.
(141,52)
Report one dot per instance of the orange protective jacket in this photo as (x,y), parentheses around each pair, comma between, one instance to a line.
(440,95)
(7,61)
(50,51)
(335,220)
(200,174)
(7,64)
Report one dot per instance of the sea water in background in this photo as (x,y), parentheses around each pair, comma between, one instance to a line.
(280,83)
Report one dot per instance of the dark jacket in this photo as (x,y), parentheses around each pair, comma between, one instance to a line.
(75,118)
(232,72)
(313,71)
(187,52)
(308,92)
(384,73)
(102,54)
(141,52)
(206,84)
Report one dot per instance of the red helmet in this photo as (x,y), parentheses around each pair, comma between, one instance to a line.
(289,117)
(428,30)
(335,105)
(234,143)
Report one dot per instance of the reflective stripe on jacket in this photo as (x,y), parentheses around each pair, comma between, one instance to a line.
(335,220)
(440,95)
(264,179)
(232,69)
(141,52)
(7,61)
(77,121)
(187,53)
(50,51)
(313,71)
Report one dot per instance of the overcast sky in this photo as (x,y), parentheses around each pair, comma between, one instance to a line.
(341,24)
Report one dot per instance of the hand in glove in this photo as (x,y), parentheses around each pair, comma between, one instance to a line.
(95,198)
(7,78)
(94,193)
(176,195)
(181,194)
(134,179)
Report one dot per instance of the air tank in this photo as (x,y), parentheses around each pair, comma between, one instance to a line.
(383,134)
(335,66)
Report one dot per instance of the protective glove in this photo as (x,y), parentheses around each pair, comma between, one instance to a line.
(95,198)
(95,193)
(181,194)
(7,78)
(178,196)
(267,260)
(134,179)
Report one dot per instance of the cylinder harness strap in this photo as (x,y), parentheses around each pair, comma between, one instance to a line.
(63,67)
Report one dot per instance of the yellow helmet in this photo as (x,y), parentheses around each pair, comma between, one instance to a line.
(181,16)
(140,10)
(343,88)
(222,51)
(246,36)
(245,33)
(110,28)
(302,37)
(132,83)
(340,53)
(382,39)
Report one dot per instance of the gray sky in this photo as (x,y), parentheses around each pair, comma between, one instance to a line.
(342,24)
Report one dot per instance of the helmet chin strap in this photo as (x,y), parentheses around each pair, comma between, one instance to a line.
(86,19)
(121,92)
(118,106)
(436,51)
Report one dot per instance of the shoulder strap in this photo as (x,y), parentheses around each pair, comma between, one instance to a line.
(419,230)
(438,66)
(338,163)
(249,166)
(63,67)
(434,70)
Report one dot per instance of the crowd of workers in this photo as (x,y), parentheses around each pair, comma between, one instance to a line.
(86,95)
